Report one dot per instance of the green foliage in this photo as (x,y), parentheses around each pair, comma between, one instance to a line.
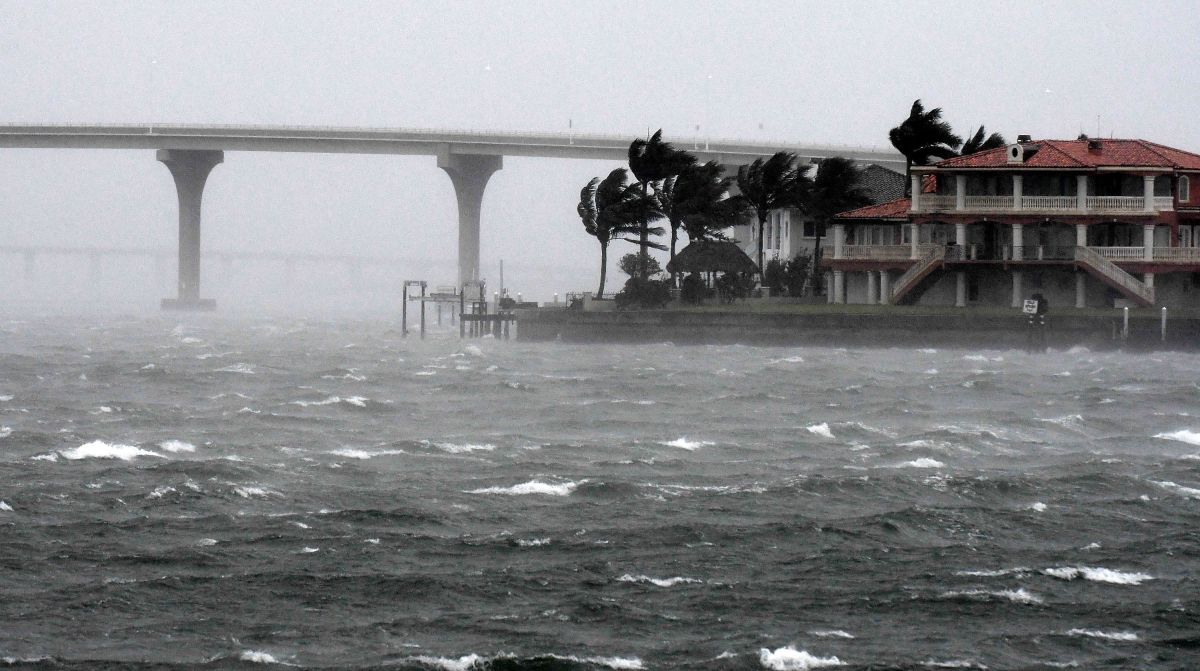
(765,185)
(788,277)
(692,290)
(613,209)
(631,265)
(732,286)
(644,293)
(981,141)
(924,135)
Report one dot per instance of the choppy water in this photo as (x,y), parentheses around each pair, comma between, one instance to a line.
(261,492)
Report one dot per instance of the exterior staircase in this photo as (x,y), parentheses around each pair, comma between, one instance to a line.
(932,260)
(1108,272)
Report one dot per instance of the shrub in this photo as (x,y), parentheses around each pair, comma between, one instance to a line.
(630,265)
(643,293)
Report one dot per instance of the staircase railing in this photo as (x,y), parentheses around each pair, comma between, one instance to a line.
(909,279)
(1129,284)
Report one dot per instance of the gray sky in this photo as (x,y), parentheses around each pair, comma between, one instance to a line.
(840,72)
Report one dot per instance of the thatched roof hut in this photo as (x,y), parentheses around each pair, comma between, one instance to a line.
(706,256)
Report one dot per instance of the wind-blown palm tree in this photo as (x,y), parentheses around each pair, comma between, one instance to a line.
(921,137)
(614,208)
(981,141)
(770,184)
(652,161)
(836,188)
(693,200)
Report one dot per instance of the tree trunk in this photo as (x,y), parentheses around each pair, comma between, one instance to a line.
(762,223)
(603,267)
(907,177)
(674,237)
(816,262)
(643,243)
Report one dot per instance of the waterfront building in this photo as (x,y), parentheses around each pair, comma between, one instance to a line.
(789,233)
(1083,222)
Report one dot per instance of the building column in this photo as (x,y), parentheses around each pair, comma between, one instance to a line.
(960,192)
(1148,241)
(1080,289)
(1081,192)
(1018,294)
(469,173)
(1148,193)
(829,286)
(839,287)
(1148,279)
(914,232)
(190,169)
(915,184)
(839,240)
(960,293)
(885,287)
(1018,241)
(872,287)
(1081,235)
(1018,188)
(960,235)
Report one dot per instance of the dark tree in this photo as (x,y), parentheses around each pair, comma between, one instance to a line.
(921,137)
(651,162)
(612,209)
(768,184)
(836,188)
(981,141)
(695,201)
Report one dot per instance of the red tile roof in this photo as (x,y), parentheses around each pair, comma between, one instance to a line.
(896,209)
(1075,154)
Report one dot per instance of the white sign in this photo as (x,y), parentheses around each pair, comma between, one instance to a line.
(1030,307)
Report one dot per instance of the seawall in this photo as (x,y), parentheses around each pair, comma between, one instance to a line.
(890,329)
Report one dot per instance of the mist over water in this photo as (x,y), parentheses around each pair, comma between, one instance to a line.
(218,490)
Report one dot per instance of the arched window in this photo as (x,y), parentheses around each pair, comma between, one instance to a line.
(1183,189)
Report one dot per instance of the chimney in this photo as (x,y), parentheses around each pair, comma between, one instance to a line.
(1094,146)
(1022,139)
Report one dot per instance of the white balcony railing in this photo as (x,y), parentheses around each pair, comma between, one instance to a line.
(949,203)
(989,202)
(1116,203)
(882,252)
(1177,254)
(1122,253)
(1048,202)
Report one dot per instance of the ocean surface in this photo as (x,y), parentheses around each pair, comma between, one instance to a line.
(236,492)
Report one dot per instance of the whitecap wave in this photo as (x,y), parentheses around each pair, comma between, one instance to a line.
(464,663)
(258,657)
(1182,435)
(4,507)
(658,582)
(1190,492)
(462,448)
(352,453)
(240,368)
(533,487)
(822,430)
(1020,595)
(252,492)
(1095,574)
(953,664)
(1038,507)
(790,659)
(923,462)
(5,398)
(357,401)
(98,449)
(684,444)
(831,633)
(176,446)
(1122,636)
(5,431)
(532,542)
(994,573)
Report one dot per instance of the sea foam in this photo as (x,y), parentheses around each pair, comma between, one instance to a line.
(5,431)
(923,462)
(5,507)
(1093,574)
(1020,595)
(532,487)
(1190,492)
(1182,435)
(98,449)
(659,582)
(258,657)
(790,659)
(1123,636)
(176,446)
(684,444)
(822,430)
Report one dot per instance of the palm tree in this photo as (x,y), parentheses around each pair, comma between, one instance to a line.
(613,208)
(652,161)
(767,185)
(981,141)
(921,137)
(693,200)
(836,188)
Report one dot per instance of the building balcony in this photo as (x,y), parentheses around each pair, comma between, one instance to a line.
(938,203)
(1007,253)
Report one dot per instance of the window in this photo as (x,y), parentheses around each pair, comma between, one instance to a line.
(810,230)
(1184,196)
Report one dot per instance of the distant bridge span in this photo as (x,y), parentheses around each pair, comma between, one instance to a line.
(190,152)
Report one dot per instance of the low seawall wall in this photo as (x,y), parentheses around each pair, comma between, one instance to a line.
(849,329)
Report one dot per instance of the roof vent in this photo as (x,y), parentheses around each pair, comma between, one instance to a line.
(1019,153)
(1094,145)
(1021,139)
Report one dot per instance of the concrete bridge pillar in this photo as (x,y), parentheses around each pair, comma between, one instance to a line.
(189,168)
(470,174)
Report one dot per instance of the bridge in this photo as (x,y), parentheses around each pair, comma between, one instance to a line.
(469,158)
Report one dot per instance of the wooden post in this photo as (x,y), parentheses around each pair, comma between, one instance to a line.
(422,310)
(462,306)
(404,312)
